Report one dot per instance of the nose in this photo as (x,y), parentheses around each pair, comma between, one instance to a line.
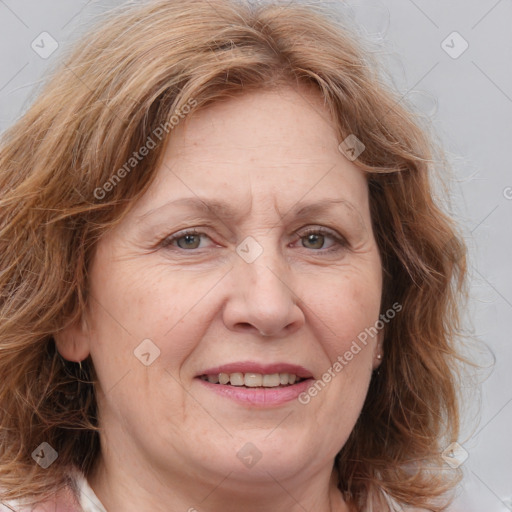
(261,298)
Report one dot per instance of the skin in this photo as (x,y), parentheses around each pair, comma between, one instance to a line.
(168,442)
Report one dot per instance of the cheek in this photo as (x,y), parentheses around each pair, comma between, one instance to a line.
(345,309)
(144,301)
(134,302)
(130,305)
(346,306)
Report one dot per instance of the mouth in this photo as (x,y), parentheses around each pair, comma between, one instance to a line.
(253,380)
(257,385)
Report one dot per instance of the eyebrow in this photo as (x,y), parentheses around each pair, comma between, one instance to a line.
(204,206)
(318,208)
(224,210)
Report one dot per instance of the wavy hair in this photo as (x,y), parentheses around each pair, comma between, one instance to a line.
(127,78)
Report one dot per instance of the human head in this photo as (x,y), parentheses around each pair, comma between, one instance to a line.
(50,186)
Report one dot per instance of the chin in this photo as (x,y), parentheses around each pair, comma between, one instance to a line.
(261,457)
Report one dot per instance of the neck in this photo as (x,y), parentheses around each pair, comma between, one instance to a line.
(132,487)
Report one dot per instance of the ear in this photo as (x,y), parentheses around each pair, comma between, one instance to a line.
(72,342)
(378,352)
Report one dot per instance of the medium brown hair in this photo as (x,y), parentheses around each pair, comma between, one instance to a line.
(126,79)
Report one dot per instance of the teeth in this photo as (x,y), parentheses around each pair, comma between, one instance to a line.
(253,380)
(271,381)
(236,379)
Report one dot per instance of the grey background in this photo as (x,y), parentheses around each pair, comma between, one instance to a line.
(468,100)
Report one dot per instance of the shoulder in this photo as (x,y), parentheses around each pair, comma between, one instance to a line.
(47,506)
(64,501)
(77,496)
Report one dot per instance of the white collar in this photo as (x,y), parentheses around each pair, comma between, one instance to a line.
(86,496)
(89,502)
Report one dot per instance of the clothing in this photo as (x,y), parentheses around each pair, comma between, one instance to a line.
(83,499)
(88,500)
(80,499)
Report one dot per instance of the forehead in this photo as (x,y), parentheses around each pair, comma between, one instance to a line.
(273,148)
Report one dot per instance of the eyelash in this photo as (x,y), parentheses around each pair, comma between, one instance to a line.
(340,241)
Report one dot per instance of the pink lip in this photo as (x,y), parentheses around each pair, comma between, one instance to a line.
(259,397)
(264,369)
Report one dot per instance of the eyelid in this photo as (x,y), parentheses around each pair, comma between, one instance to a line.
(168,240)
(340,239)
(318,229)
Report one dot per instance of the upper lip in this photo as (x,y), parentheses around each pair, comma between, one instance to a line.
(264,369)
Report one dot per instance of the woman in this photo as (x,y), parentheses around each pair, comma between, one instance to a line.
(225,283)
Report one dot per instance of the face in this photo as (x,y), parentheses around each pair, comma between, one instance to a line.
(251,255)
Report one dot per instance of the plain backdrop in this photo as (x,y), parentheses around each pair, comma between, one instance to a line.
(452,61)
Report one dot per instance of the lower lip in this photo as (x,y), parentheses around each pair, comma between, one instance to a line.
(262,397)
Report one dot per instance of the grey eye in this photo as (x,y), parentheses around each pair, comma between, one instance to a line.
(313,241)
(188,241)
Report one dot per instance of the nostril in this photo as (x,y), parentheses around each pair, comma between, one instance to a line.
(245,326)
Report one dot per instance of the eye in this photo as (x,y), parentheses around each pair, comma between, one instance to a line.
(187,240)
(317,238)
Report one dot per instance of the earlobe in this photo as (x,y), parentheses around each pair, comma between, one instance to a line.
(377,360)
(72,342)
(378,355)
